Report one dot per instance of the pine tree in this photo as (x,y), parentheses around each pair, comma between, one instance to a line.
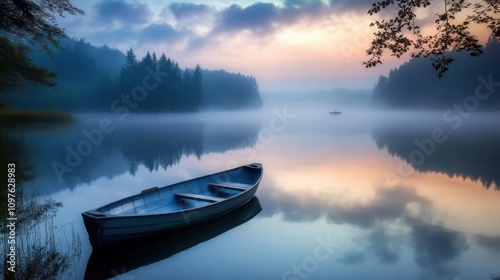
(129,76)
(186,99)
(164,92)
(197,87)
(131,61)
(155,61)
(147,61)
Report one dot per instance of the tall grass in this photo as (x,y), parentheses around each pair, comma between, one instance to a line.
(43,251)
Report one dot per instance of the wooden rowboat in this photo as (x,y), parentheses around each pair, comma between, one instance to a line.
(103,263)
(159,210)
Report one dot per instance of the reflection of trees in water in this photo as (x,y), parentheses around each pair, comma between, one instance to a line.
(471,151)
(149,142)
(160,146)
(37,253)
(163,146)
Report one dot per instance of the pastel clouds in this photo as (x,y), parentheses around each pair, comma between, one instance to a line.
(122,13)
(276,41)
(197,24)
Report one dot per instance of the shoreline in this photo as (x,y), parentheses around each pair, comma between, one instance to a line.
(30,117)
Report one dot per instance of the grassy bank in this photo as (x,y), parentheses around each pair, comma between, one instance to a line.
(27,117)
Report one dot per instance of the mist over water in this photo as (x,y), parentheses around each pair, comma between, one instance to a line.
(401,181)
(379,193)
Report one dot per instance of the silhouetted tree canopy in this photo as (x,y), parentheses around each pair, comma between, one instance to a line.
(453,24)
(412,86)
(176,91)
(225,90)
(33,23)
(93,78)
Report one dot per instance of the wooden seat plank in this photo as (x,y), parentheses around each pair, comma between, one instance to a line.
(199,197)
(230,186)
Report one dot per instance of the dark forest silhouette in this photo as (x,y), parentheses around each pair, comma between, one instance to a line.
(92,78)
(220,95)
(414,85)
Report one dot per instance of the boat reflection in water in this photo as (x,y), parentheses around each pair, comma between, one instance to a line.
(106,263)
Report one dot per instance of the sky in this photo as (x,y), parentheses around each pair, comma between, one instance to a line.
(287,45)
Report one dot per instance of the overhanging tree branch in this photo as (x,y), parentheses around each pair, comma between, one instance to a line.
(34,23)
(401,34)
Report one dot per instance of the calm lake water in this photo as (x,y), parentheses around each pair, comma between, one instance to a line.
(362,195)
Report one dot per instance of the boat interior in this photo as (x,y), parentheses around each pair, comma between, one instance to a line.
(185,195)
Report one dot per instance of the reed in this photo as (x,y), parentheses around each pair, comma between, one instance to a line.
(43,250)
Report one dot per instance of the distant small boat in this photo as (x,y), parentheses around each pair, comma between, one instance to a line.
(166,209)
(335,112)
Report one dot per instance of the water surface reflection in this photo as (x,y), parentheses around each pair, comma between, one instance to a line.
(324,178)
(469,150)
(70,157)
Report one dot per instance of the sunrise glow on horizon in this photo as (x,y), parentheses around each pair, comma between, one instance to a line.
(286,45)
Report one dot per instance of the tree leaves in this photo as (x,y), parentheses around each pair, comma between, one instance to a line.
(16,66)
(33,22)
(401,34)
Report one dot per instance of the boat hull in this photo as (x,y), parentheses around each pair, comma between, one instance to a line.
(107,226)
(102,263)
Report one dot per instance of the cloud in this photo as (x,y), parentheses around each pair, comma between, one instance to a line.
(383,246)
(390,204)
(266,18)
(435,248)
(360,6)
(204,25)
(257,18)
(188,10)
(158,33)
(353,257)
(121,12)
(490,243)
(296,10)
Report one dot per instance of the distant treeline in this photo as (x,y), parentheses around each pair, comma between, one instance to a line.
(221,88)
(415,85)
(101,79)
(153,84)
